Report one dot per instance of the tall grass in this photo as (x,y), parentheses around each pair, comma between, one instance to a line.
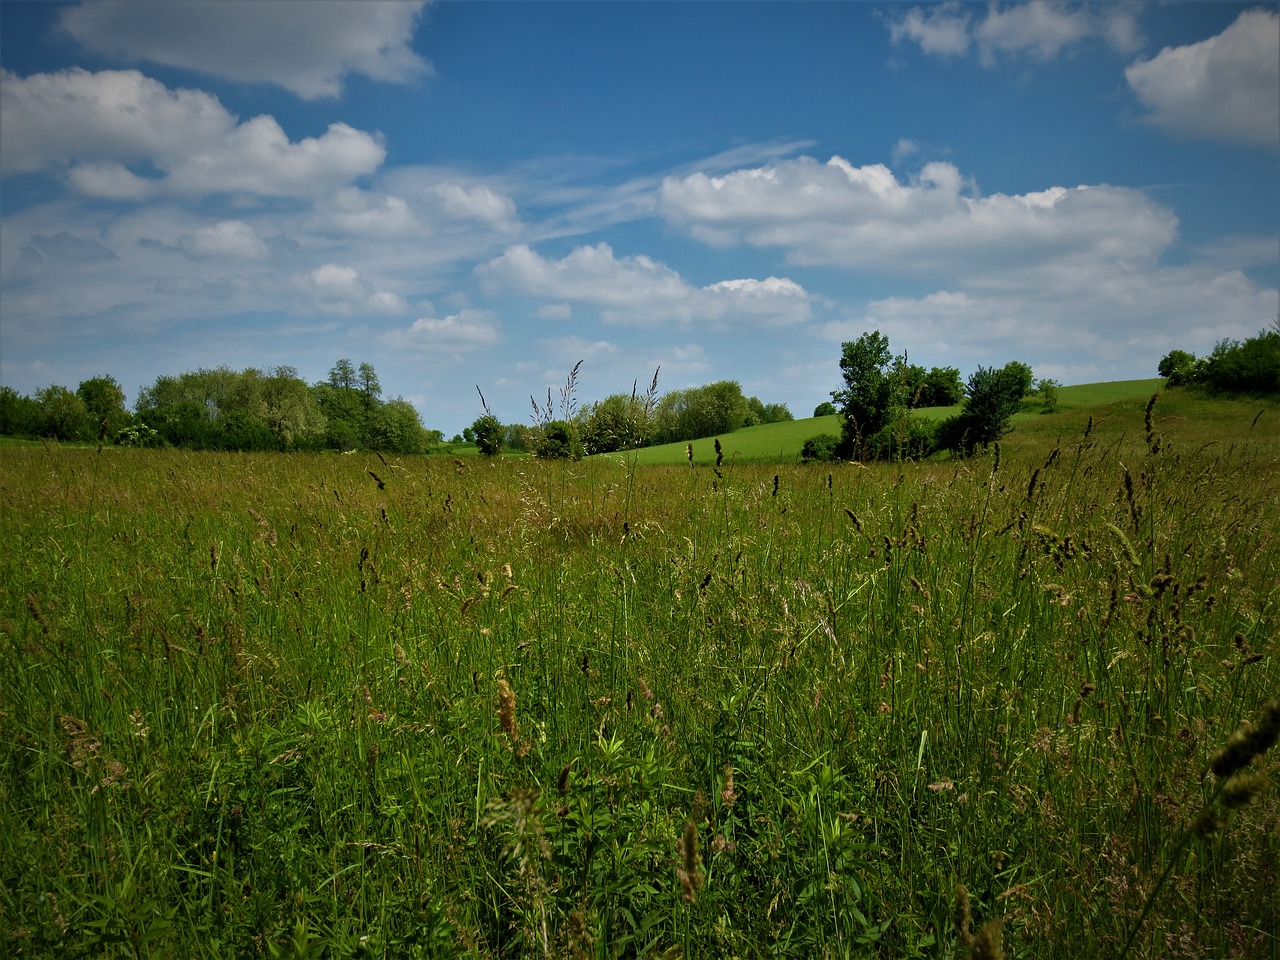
(304,705)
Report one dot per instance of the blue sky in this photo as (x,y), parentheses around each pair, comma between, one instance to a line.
(484,193)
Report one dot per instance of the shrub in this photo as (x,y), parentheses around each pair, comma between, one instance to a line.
(559,441)
(820,449)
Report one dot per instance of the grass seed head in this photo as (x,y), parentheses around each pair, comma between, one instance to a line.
(507,710)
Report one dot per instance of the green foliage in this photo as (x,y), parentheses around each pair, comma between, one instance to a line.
(941,387)
(825,409)
(1047,391)
(489,434)
(618,422)
(1251,367)
(868,395)
(699,412)
(559,440)
(20,416)
(1179,368)
(820,449)
(63,415)
(992,398)
(104,402)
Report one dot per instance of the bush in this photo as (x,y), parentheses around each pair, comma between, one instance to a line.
(820,449)
(559,441)
(905,438)
(825,409)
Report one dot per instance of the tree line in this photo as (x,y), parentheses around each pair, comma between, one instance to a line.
(625,421)
(1251,366)
(226,409)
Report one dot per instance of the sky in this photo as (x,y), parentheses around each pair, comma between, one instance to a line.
(482,194)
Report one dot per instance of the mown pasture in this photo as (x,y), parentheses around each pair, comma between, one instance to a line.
(297,705)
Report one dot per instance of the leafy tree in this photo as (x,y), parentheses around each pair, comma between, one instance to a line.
(104,402)
(706,411)
(488,432)
(615,423)
(369,385)
(1047,390)
(871,391)
(19,415)
(343,375)
(1251,367)
(776,413)
(992,398)
(395,427)
(63,414)
(942,387)
(825,409)
(1178,367)
(289,408)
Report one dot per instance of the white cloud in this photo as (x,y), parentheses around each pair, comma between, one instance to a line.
(942,30)
(98,123)
(1226,88)
(555,311)
(306,48)
(230,238)
(476,202)
(1040,30)
(640,291)
(464,331)
(863,217)
(351,211)
(338,282)
(1110,315)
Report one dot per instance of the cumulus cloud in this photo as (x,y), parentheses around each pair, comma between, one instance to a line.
(230,238)
(640,291)
(96,124)
(307,49)
(1225,88)
(464,331)
(864,217)
(1039,30)
(475,202)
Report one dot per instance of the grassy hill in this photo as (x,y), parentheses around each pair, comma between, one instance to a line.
(782,442)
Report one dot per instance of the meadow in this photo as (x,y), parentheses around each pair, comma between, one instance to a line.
(309,705)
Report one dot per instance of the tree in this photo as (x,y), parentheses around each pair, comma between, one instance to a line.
(1251,367)
(615,423)
(104,399)
(343,375)
(942,387)
(19,415)
(369,385)
(63,414)
(869,393)
(1047,389)
(489,434)
(992,398)
(825,409)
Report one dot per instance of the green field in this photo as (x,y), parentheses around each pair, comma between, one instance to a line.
(318,705)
